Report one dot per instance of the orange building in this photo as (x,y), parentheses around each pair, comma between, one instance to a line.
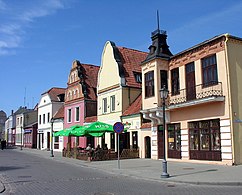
(203,108)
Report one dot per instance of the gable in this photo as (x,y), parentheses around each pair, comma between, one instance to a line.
(108,74)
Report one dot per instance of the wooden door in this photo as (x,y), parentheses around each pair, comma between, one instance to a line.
(190,82)
(160,142)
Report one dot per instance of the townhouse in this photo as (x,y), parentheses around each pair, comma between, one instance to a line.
(25,130)
(119,85)
(80,101)
(203,112)
(50,102)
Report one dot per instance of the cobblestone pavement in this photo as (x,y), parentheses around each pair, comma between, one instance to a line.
(24,173)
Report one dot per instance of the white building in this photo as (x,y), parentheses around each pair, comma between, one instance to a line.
(49,104)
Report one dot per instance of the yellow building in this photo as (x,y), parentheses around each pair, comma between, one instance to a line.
(203,108)
(119,85)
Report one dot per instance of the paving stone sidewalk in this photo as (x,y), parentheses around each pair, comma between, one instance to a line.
(181,172)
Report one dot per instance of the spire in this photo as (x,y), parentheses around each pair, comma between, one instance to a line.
(158,22)
(159,47)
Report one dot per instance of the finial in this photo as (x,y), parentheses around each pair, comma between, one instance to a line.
(158,22)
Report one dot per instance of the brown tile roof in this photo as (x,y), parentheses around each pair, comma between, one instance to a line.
(59,113)
(131,60)
(90,119)
(91,74)
(135,107)
(145,126)
(54,92)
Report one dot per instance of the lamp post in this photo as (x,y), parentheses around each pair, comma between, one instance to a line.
(164,94)
(51,139)
(21,137)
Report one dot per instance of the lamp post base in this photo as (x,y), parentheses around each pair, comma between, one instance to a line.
(51,153)
(164,168)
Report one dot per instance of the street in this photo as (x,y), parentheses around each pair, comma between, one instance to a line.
(24,173)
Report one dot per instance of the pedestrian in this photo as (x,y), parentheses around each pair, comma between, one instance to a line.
(2,144)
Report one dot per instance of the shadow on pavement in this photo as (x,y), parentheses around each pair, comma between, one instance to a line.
(192,173)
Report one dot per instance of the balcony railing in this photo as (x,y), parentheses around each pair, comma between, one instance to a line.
(197,92)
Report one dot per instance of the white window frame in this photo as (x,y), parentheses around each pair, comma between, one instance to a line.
(112,104)
(105,107)
(77,120)
(69,115)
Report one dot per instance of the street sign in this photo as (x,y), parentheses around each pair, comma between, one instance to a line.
(118,127)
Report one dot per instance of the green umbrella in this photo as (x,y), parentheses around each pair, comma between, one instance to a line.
(75,130)
(64,132)
(98,127)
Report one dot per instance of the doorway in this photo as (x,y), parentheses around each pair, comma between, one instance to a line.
(147,147)
(190,82)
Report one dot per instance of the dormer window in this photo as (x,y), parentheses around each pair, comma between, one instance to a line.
(138,77)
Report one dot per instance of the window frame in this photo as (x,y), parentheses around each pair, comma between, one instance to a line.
(112,103)
(69,115)
(77,114)
(209,70)
(175,81)
(105,105)
(201,130)
(149,84)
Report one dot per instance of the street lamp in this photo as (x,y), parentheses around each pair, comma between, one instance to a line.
(164,94)
(51,139)
(21,147)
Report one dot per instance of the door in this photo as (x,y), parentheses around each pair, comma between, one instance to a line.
(135,140)
(174,141)
(48,140)
(160,142)
(190,82)
(147,147)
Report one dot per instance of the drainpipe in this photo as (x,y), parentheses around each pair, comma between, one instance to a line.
(229,94)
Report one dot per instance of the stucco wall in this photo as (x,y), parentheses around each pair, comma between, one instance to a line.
(234,49)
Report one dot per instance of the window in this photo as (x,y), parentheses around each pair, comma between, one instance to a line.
(175,85)
(40,119)
(112,102)
(204,135)
(69,115)
(48,117)
(43,118)
(149,84)
(105,106)
(77,113)
(174,137)
(209,71)
(163,79)
(21,120)
(138,77)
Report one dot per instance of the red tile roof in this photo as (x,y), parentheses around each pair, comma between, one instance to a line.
(90,119)
(91,74)
(135,107)
(59,113)
(54,92)
(131,60)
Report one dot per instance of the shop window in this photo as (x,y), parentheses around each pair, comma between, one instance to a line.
(204,135)
(174,137)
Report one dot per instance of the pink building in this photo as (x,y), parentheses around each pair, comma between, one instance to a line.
(80,100)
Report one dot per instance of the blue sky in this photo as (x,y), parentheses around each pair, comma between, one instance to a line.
(39,39)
